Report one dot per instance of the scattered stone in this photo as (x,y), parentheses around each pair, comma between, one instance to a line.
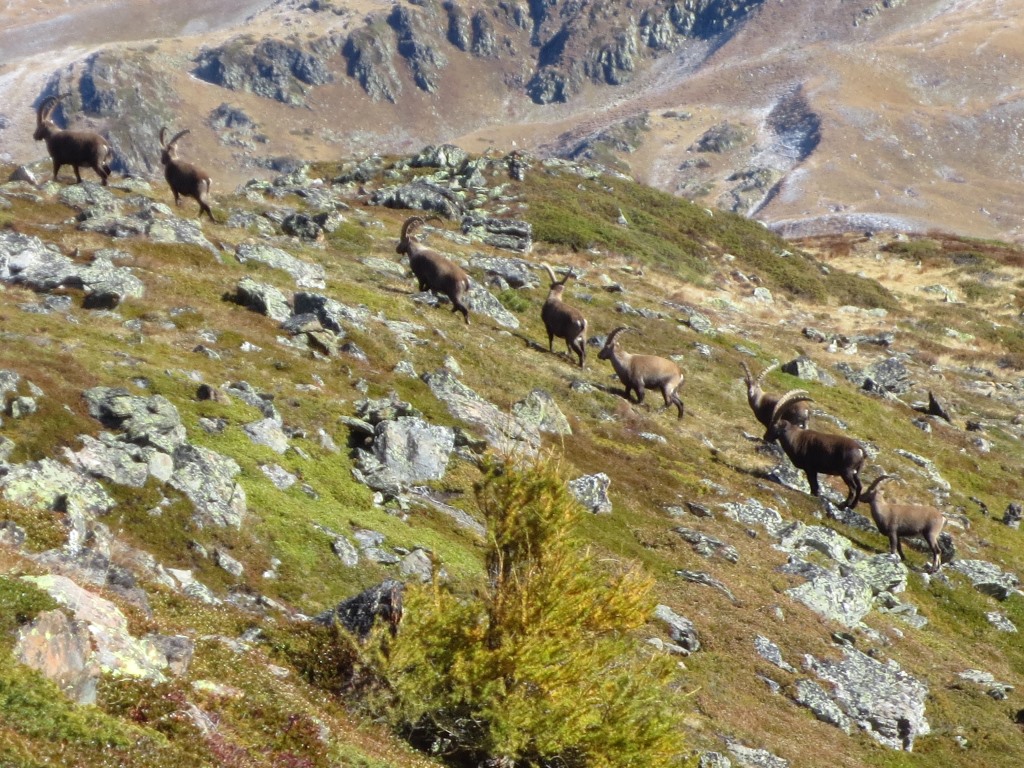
(591,491)
(540,411)
(262,298)
(698,577)
(306,275)
(995,689)
(207,479)
(1012,515)
(228,563)
(811,695)
(756,758)
(770,652)
(680,629)
(268,432)
(708,546)
(1000,621)
(279,476)
(987,578)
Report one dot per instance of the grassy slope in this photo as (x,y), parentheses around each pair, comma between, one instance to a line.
(670,249)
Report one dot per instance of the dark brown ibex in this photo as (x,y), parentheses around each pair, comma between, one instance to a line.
(896,520)
(74,148)
(433,271)
(818,452)
(762,404)
(185,179)
(640,371)
(563,321)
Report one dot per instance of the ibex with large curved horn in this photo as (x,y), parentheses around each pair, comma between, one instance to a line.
(433,271)
(762,404)
(563,321)
(75,148)
(640,371)
(818,452)
(185,179)
(896,520)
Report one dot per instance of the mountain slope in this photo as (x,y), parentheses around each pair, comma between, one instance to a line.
(293,514)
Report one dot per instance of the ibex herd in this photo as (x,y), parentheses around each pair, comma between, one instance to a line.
(784,417)
(87,149)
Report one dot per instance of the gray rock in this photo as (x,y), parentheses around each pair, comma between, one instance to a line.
(1013,514)
(417,565)
(267,432)
(345,551)
(110,458)
(22,406)
(993,688)
(708,546)
(880,697)
(332,314)
(262,298)
(177,649)
(508,234)
(797,538)
(12,535)
(803,368)
(591,491)
(503,432)
(228,563)
(987,578)
(540,411)
(420,196)
(753,512)
(306,275)
(412,449)
(1000,621)
(681,630)
(27,261)
(714,760)
(245,392)
(889,375)
(517,273)
(770,652)
(811,695)
(279,476)
(207,479)
(481,301)
(700,577)
(845,600)
(446,156)
(750,757)
(152,421)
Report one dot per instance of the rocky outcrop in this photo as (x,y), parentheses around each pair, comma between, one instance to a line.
(274,69)
(28,261)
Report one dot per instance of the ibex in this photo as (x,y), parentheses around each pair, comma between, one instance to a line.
(896,520)
(817,452)
(184,178)
(563,321)
(74,148)
(433,271)
(762,404)
(640,371)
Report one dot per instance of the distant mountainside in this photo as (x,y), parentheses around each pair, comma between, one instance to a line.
(812,116)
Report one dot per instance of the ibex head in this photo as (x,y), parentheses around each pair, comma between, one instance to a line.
(168,153)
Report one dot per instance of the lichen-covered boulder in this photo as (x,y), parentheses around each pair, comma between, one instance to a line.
(208,480)
(878,696)
(306,275)
(152,421)
(412,449)
(591,491)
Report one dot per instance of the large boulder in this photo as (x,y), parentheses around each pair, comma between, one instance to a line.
(208,480)
(412,449)
(880,697)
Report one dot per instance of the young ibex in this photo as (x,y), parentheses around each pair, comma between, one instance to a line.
(896,520)
(762,404)
(433,271)
(563,321)
(817,452)
(74,148)
(184,178)
(639,371)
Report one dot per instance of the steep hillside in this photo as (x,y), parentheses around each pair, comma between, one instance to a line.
(213,432)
